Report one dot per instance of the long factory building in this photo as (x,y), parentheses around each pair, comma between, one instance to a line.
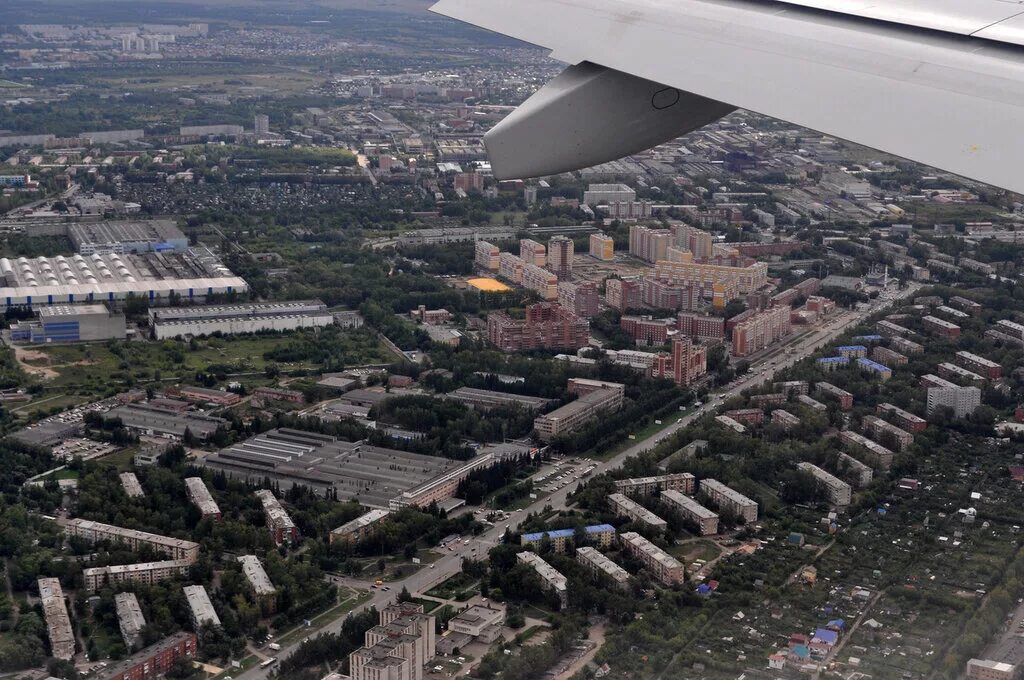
(172,322)
(377,477)
(109,277)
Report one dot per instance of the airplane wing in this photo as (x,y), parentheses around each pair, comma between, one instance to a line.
(936,81)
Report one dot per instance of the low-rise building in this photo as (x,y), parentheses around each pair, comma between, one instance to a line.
(747,416)
(905,346)
(481,622)
(279,522)
(602,566)
(95,532)
(844,398)
(665,568)
(645,486)
(256,575)
(486,400)
(904,419)
(203,395)
(131,486)
(954,372)
(600,534)
(979,364)
(880,456)
(941,327)
(732,424)
(262,395)
(861,474)
(550,576)
(129,619)
(729,499)
(201,498)
(576,413)
(153,661)
(811,402)
(202,611)
(882,371)
(145,573)
(58,623)
(889,357)
(836,490)
(692,511)
(623,506)
(887,433)
(987,669)
(784,418)
(359,528)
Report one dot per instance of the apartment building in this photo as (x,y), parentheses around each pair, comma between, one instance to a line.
(279,522)
(941,327)
(836,490)
(200,607)
(602,247)
(745,274)
(880,456)
(702,326)
(928,380)
(623,294)
(988,669)
(811,402)
(130,620)
(486,256)
(259,583)
(58,623)
(978,364)
(893,330)
(153,661)
(844,398)
(582,298)
(546,326)
(747,416)
(95,532)
(510,268)
(887,433)
(792,387)
(131,486)
(145,573)
(889,357)
(398,647)
(683,482)
(903,419)
(532,252)
(729,499)
(954,372)
(665,568)
(963,400)
(649,244)
(561,251)
(623,506)
(602,566)
(729,422)
(200,496)
(359,528)
(852,351)
(692,511)
(760,331)
(784,418)
(600,534)
(969,306)
(856,470)
(905,346)
(689,362)
(646,331)
(550,576)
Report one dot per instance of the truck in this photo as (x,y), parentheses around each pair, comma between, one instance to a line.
(273,646)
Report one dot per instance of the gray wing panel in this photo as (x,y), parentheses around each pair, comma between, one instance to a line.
(952,102)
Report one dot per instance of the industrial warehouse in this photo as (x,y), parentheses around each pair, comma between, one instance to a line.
(193,275)
(373,475)
(175,322)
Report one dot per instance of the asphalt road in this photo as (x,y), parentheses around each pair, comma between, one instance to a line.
(762,370)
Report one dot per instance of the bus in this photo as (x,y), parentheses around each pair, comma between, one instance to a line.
(269,662)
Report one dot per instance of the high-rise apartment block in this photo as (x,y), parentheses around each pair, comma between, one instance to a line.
(963,400)
(622,294)
(649,244)
(511,268)
(540,281)
(532,252)
(602,247)
(701,326)
(487,256)
(582,298)
(560,254)
(398,648)
(745,273)
(760,331)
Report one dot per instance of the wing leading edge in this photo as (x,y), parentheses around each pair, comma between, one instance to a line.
(947,100)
